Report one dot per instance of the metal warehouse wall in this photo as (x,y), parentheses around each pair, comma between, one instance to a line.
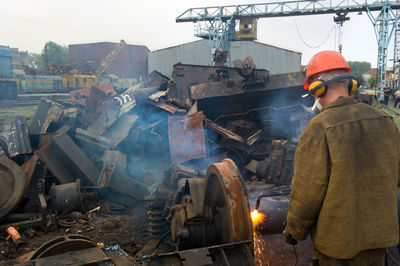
(274,59)
(131,62)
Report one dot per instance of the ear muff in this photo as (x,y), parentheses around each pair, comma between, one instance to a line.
(319,87)
(353,86)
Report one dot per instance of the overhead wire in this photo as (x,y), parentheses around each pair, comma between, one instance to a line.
(308,45)
(30,20)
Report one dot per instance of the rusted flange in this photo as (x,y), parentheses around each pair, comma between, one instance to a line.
(235,192)
(12,180)
(61,245)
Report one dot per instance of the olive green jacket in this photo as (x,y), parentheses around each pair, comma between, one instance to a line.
(346,175)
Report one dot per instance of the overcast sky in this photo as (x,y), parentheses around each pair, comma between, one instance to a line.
(29,24)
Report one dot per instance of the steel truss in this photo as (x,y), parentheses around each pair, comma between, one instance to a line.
(218,22)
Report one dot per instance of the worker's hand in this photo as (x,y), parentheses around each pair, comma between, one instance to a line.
(288,238)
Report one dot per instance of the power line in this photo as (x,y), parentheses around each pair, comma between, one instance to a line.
(310,46)
(51,25)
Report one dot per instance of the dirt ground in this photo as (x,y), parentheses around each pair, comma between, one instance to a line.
(127,229)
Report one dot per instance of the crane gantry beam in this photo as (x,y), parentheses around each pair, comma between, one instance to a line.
(282,9)
(220,21)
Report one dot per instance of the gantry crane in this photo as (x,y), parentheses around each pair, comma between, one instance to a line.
(218,23)
(396,56)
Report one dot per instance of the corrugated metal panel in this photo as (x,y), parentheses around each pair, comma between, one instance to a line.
(5,51)
(5,62)
(131,62)
(15,133)
(274,59)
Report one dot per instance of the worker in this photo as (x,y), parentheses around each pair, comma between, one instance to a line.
(387,91)
(346,172)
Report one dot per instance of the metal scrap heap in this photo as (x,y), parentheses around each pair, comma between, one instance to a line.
(156,163)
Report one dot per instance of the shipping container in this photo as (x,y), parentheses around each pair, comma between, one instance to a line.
(5,62)
(131,62)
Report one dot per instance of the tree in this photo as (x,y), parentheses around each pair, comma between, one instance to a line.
(54,53)
(358,68)
(373,80)
(36,61)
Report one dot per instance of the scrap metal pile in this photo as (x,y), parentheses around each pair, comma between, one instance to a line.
(82,68)
(185,148)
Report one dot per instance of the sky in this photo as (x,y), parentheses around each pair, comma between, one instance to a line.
(28,25)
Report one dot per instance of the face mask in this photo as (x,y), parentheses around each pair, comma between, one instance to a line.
(316,105)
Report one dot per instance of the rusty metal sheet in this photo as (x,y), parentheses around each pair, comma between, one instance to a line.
(102,143)
(113,175)
(224,132)
(47,112)
(186,137)
(186,76)
(67,161)
(166,106)
(108,89)
(29,167)
(277,168)
(120,129)
(14,136)
(126,100)
(94,105)
(33,170)
(109,114)
(111,109)
(156,79)
(46,138)
(157,95)
(286,80)
(80,96)
(213,89)
(252,166)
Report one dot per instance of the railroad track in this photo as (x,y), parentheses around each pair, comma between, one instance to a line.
(34,99)
(393,111)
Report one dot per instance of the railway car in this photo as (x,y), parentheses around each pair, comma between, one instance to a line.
(8,85)
(119,84)
(40,84)
(76,81)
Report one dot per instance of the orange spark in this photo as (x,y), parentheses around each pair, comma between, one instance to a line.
(257,217)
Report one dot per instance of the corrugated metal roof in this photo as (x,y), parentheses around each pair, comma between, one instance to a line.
(258,42)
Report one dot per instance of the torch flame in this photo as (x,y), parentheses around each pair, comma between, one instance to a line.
(257,217)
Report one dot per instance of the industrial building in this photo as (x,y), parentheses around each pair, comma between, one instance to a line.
(137,61)
(276,60)
(131,62)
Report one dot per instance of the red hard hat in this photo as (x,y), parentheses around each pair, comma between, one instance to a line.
(324,61)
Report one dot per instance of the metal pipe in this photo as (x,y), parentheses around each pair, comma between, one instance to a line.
(273,208)
(268,196)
